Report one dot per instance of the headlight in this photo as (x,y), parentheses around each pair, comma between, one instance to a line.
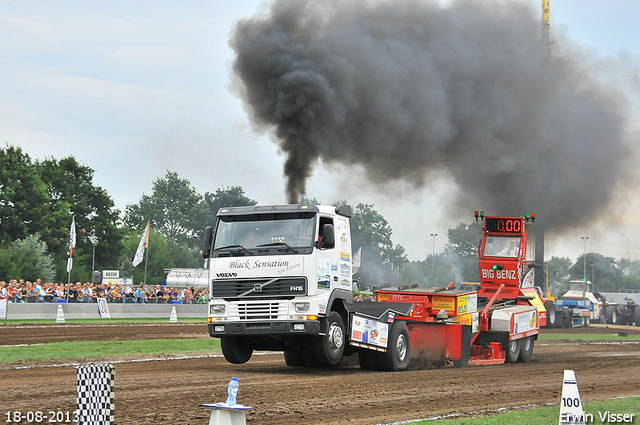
(217,309)
(301,307)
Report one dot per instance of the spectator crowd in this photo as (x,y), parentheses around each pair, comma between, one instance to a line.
(20,291)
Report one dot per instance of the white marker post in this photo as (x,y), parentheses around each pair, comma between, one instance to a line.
(174,315)
(570,405)
(3,308)
(60,315)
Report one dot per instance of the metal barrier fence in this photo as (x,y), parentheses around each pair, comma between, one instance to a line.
(20,311)
(47,299)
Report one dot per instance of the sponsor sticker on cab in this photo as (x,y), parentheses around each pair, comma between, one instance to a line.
(462,304)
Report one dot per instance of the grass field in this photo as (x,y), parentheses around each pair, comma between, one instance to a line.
(81,350)
(588,337)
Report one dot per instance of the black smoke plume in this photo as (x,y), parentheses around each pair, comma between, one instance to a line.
(411,89)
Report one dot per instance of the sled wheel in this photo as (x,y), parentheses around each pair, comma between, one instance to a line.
(526,349)
(513,350)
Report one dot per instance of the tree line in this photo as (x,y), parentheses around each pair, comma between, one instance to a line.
(38,199)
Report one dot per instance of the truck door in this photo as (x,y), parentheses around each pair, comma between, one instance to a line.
(334,254)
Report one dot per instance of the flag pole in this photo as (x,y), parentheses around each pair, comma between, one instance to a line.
(68,277)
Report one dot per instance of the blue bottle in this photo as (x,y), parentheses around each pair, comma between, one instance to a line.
(232,392)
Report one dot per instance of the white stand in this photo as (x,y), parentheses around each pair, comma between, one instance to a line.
(221,414)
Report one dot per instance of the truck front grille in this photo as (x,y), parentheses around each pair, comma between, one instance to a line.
(287,287)
(259,311)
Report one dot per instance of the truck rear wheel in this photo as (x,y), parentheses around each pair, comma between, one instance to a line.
(235,350)
(330,347)
(367,359)
(513,350)
(611,315)
(526,349)
(396,358)
(559,319)
(551,313)
(301,355)
(293,357)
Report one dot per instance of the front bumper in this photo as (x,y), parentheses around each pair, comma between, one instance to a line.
(288,328)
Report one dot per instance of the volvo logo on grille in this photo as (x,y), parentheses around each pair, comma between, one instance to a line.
(257,287)
(226,274)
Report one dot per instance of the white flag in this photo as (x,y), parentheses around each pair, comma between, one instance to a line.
(355,264)
(72,244)
(72,236)
(141,246)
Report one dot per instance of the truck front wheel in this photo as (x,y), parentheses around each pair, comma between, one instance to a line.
(235,350)
(330,347)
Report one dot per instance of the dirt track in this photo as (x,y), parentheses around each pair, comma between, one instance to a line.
(170,391)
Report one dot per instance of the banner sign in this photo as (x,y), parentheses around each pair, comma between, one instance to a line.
(103,308)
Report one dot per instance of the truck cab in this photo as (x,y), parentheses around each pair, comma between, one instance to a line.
(280,279)
(505,259)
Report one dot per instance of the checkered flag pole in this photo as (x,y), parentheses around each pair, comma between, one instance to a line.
(96,395)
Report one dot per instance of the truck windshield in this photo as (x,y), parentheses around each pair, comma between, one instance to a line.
(265,231)
(502,246)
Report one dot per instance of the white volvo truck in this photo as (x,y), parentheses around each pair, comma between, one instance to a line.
(280,280)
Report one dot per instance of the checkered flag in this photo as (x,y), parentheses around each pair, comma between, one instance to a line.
(96,395)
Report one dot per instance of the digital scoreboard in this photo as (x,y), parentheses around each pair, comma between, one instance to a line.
(504,225)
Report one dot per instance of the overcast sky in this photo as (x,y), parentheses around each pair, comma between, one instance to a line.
(133,89)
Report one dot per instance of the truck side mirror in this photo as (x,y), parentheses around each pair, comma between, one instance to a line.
(207,239)
(328,237)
